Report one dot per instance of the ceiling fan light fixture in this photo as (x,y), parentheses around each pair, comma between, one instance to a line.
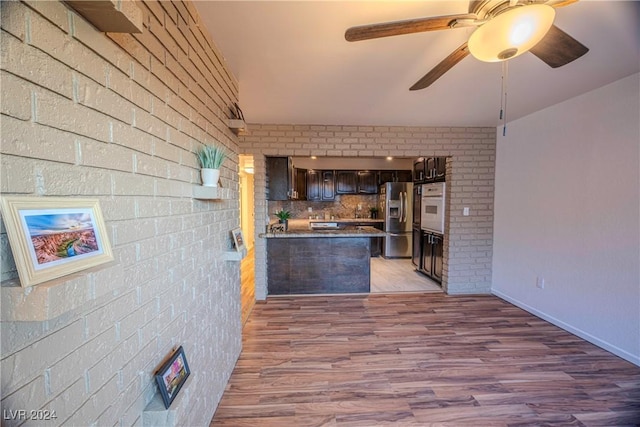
(511,33)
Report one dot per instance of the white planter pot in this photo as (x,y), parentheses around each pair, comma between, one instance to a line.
(210,177)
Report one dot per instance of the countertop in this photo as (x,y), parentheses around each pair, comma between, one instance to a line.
(345,220)
(300,228)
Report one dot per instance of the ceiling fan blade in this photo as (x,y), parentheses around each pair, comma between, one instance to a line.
(447,63)
(558,48)
(395,28)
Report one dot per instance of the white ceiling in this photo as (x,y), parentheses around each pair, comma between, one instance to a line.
(294,66)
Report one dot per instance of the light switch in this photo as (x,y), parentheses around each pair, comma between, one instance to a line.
(465,211)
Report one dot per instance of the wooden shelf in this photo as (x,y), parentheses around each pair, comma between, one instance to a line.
(210,193)
(239,127)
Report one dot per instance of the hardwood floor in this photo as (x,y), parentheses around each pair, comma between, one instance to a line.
(418,360)
(247,284)
(399,275)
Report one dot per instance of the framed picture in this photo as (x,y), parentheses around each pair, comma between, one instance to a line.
(52,237)
(172,376)
(238,239)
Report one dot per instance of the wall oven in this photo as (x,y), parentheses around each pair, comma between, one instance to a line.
(432,207)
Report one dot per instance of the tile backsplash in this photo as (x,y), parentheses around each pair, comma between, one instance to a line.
(344,206)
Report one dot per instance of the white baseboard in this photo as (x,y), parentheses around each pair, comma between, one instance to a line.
(635,359)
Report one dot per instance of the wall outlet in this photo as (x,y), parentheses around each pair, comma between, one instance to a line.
(309,209)
(540,282)
(465,211)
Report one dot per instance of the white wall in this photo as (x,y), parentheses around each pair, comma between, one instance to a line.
(567,209)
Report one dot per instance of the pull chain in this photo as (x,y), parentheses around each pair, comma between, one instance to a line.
(503,96)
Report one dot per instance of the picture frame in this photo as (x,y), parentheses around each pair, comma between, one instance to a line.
(238,239)
(172,375)
(51,237)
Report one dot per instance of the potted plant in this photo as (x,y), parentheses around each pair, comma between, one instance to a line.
(373,211)
(210,158)
(283,218)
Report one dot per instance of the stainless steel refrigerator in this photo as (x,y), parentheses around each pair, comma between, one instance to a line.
(396,207)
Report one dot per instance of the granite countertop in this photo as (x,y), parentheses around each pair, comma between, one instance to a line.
(362,231)
(347,220)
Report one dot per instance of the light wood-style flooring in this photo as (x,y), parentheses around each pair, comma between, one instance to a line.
(399,275)
(418,360)
(247,284)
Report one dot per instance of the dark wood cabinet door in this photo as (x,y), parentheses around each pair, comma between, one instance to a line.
(278,177)
(346,182)
(313,185)
(404,176)
(419,172)
(438,253)
(367,182)
(441,168)
(427,253)
(301,183)
(416,254)
(386,176)
(328,185)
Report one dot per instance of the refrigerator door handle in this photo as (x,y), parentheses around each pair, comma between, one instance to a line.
(401,207)
(404,207)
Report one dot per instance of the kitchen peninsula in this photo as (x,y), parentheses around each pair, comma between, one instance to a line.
(336,259)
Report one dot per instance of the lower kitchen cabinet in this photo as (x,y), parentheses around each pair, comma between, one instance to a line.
(432,255)
(416,253)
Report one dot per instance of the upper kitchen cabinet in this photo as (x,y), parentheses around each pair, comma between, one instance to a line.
(419,174)
(429,169)
(300,183)
(356,182)
(367,182)
(321,185)
(282,179)
(394,176)
(436,168)
(346,182)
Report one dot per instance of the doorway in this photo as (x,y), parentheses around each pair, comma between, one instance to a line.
(247,209)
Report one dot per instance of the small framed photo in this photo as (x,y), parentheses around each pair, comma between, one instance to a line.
(172,375)
(238,239)
(51,237)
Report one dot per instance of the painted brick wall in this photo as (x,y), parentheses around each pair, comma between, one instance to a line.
(470,183)
(118,117)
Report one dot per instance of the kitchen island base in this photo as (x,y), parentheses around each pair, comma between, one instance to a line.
(311,265)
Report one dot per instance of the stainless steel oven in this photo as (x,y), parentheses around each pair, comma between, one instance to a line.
(432,207)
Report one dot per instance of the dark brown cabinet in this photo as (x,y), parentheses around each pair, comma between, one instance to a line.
(429,169)
(436,168)
(403,176)
(278,174)
(300,183)
(320,185)
(328,185)
(419,174)
(416,253)
(346,182)
(432,255)
(313,185)
(367,182)
(284,181)
(356,182)
(394,176)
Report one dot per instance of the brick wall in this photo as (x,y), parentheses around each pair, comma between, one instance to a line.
(118,117)
(470,182)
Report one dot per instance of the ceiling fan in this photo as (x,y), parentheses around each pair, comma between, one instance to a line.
(505,29)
